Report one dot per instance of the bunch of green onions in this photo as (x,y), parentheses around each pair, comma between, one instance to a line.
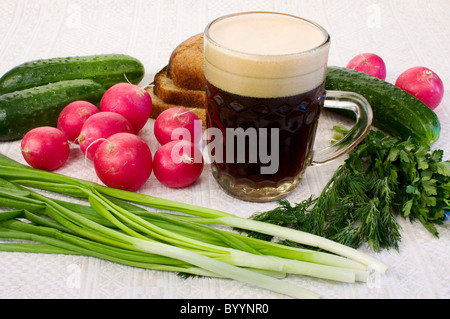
(116,225)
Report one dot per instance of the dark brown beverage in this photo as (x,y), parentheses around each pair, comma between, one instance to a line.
(293,118)
(265,75)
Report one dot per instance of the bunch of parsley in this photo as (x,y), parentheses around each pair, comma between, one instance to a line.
(383,177)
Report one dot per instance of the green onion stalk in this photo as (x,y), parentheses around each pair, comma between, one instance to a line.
(114,225)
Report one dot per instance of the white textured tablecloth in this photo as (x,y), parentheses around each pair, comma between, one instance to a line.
(405,33)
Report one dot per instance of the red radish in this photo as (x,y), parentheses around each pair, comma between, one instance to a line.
(45,148)
(72,118)
(422,83)
(369,63)
(178,164)
(123,161)
(129,100)
(177,122)
(100,126)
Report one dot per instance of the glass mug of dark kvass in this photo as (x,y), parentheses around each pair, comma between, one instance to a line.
(265,75)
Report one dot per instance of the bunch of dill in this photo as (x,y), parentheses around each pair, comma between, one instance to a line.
(383,177)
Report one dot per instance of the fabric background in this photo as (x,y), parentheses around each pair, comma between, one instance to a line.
(405,33)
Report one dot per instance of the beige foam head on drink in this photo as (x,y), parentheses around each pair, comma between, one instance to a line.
(265,55)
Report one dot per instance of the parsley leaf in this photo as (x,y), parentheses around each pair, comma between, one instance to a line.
(383,177)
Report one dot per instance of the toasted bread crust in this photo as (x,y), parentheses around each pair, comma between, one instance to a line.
(159,106)
(186,64)
(181,82)
(167,91)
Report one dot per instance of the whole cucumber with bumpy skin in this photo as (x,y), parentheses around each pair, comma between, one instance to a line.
(395,111)
(21,111)
(105,69)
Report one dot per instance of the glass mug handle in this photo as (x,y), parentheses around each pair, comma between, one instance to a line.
(347,101)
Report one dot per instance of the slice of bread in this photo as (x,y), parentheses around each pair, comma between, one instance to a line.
(167,91)
(186,64)
(159,106)
(181,82)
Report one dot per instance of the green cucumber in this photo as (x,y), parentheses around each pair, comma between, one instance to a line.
(395,111)
(24,110)
(106,69)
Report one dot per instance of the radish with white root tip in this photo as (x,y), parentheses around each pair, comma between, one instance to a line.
(129,100)
(369,63)
(45,148)
(123,161)
(98,126)
(424,84)
(72,117)
(178,164)
(178,123)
